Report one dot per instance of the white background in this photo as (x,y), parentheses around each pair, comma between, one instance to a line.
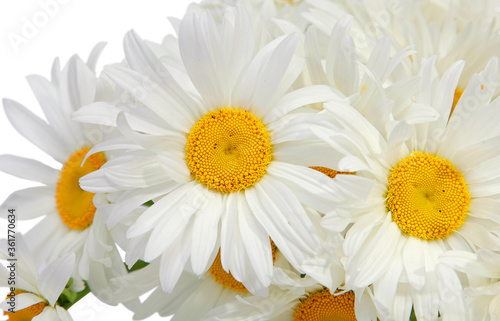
(73,26)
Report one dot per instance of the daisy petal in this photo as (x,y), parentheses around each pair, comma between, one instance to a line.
(35,130)
(205,232)
(284,219)
(29,169)
(55,276)
(30,202)
(258,84)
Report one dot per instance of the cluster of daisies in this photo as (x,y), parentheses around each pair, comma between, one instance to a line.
(305,160)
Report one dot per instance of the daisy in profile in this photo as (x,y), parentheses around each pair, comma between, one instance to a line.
(67,210)
(436,188)
(37,291)
(225,158)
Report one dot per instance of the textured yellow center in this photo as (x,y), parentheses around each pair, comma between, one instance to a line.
(75,205)
(228,150)
(225,278)
(330,172)
(26,314)
(323,306)
(456,98)
(427,196)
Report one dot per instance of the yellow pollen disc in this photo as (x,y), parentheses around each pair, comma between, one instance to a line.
(323,306)
(75,205)
(225,278)
(456,98)
(28,313)
(330,172)
(427,196)
(228,150)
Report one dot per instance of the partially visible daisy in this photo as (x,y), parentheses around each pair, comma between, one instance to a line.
(379,89)
(451,30)
(37,291)
(228,166)
(298,298)
(192,297)
(68,211)
(436,189)
(483,298)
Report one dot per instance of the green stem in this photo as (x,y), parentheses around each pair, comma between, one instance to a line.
(67,298)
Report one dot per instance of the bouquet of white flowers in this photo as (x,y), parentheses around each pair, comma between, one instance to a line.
(305,160)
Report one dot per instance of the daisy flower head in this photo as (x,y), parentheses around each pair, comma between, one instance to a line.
(451,30)
(37,290)
(192,296)
(216,287)
(379,88)
(298,298)
(436,187)
(68,210)
(226,157)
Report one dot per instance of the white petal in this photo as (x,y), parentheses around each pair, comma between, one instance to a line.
(257,247)
(23,300)
(55,276)
(134,198)
(36,130)
(479,235)
(200,46)
(173,260)
(311,187)
(78,86)
(28,169)
(284,219)
(151,94)
(30,202)
(452,296)
(205,231)
(141,58)
(58,118)
(298,98)
(373,259)
(414,262)
(175,211)
(259,82)
(63,314)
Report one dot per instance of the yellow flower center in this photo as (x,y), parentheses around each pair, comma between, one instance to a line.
(323,306)
(226,279)
(228,150)
(456,98)
(427,196)
(75,205)
(330,172)
(28,313)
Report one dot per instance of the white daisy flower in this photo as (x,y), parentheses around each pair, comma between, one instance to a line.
(223,159)
(214,288)
(37,291)
(192,297)
(451,30)
(379,89)
(298,298)
(436,189)
(68,210)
